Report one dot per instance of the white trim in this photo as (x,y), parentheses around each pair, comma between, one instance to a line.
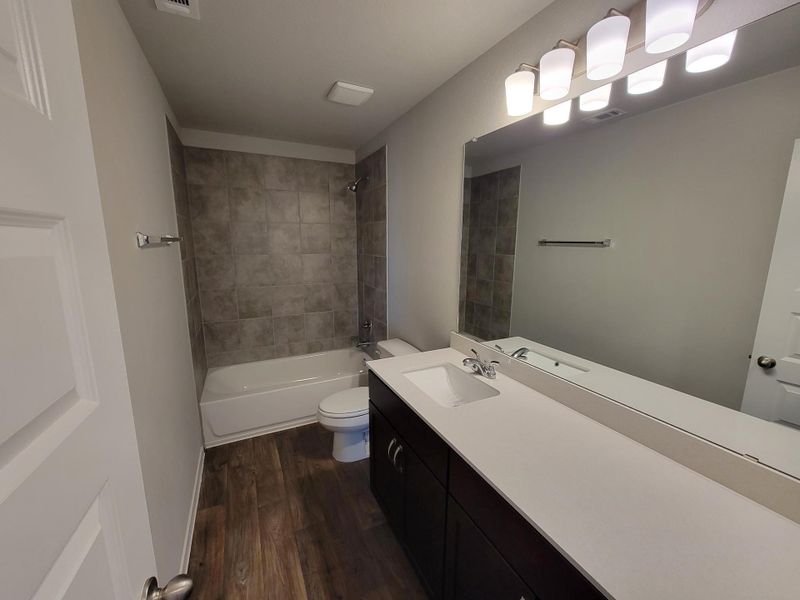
(245,143)
(187,540)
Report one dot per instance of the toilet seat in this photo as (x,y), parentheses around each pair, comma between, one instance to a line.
(347,404)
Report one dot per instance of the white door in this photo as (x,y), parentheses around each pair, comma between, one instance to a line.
(73,519)
(773,392)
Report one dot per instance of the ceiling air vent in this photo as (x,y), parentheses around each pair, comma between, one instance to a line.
(611,113)
(184,8)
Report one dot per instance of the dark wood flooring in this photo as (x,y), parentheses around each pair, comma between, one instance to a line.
(279,518)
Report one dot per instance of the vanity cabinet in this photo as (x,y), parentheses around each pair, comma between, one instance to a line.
(413,499)
(464,540)
(475,570)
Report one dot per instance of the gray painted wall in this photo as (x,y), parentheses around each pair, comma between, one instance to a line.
(129,135)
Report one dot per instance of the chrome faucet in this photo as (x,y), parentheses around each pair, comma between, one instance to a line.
(481,367)
(520,353)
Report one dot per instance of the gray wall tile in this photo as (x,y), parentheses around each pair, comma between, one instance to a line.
(317,268)
(291,328)
(254,301)
(211,237)
(250,237)
(283,206)
(209,203)
(319,325)
(204,166)
(219,305)
(215,272)
(279,173)
(315,207)
(248,204)
(315,238)
(277,240)
(284,238)
(244,170)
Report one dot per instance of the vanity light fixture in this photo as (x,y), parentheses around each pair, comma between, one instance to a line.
(595,99)
(519,91)
(648,79)
(606,45)
(711,55)
(668,24)
(558,114)
(555,71)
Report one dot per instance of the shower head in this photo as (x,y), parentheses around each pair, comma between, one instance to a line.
(353,185)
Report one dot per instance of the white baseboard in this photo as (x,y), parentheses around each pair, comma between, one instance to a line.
(187,541)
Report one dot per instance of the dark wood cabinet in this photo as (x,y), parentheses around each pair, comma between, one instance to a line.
(386,480)
(465,541)
(475,569)
(425,521)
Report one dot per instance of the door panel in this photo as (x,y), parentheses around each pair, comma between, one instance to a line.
(475,569)
(774,394)
(73,518)
(425,514)
(386,480)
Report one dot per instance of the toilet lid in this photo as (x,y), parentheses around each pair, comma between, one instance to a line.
(347,403)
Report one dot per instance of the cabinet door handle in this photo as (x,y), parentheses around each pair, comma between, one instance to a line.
(389,450)
(394,458)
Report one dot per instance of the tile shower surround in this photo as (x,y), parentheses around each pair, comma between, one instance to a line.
(275,246)
(178,168)
(371,221)
(489,235)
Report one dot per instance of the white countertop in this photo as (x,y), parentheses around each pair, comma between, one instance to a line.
(637,524)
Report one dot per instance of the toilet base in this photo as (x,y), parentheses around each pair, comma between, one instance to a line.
(350,446)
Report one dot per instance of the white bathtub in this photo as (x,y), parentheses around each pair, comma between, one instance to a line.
(242,401)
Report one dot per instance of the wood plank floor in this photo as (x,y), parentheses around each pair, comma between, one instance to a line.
(279,518)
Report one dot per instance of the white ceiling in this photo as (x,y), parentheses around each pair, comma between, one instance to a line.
(263,67)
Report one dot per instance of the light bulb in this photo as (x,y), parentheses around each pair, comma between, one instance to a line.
(606,45)
(712,54)
(555,73)
(596,99)
(519,93)
(648,79)
(558,114)
(668,24)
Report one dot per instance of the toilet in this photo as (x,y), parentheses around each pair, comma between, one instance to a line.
(346,413)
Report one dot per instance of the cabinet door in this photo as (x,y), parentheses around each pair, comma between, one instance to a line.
(425,520)
(386,479)
(474,569)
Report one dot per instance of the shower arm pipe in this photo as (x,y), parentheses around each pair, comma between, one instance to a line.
(635,14)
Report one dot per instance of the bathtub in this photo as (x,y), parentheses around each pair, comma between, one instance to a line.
(250,399)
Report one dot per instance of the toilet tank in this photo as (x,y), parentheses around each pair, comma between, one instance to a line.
(395,347)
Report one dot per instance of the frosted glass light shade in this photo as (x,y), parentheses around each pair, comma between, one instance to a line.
(555,73)
(712,54)
(519,93)
(648,79)
(668,24)
(606,45)
(558,114)
(596,99)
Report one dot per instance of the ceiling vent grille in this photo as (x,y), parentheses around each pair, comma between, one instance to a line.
(184,8)
(611,113)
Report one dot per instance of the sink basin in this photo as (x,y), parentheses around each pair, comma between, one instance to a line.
(450,386)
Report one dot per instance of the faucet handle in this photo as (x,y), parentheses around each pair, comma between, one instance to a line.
(475,352)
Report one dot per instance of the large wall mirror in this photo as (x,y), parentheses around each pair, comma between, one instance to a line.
(650,250)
